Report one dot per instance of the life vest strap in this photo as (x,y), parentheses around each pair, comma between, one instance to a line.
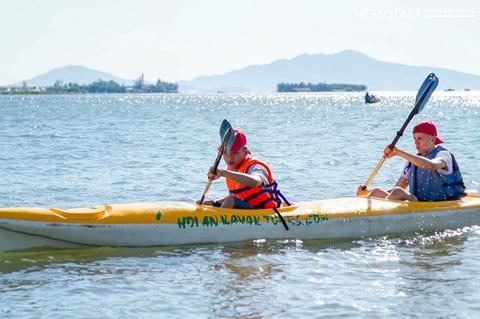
(254,195)
(244,189)
(270,189)
(277,192)
(283,198)
(262,204)
(454,184)
(239,190)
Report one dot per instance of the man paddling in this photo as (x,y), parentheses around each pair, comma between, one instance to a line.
(249,181)
(431,175)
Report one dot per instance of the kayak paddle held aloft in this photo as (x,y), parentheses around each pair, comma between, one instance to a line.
(227,138)
(423,95)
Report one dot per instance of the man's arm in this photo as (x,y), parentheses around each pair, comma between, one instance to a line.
(419,161)
(248,180)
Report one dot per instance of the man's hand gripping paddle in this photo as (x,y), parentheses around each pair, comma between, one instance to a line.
(227,138)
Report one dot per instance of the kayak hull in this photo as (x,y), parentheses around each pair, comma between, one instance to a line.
(13,240)
(157,224)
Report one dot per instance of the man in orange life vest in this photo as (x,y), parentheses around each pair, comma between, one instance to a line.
(249,181)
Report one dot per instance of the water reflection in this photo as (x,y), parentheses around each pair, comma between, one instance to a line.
(432,272)
(36,260)
(261,278)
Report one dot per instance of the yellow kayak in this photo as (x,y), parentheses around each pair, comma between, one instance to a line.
(176,223)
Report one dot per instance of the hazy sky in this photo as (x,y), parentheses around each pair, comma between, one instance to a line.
(182,39)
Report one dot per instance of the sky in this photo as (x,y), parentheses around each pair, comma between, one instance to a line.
(182,39)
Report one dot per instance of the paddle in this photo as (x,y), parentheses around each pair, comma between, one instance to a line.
(423,95)
(227,138)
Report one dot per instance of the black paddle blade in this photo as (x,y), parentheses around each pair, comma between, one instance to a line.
(230,139)
(224,127)
(425,91)
(227,136)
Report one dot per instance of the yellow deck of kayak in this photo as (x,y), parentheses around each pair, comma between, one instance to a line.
(171,212)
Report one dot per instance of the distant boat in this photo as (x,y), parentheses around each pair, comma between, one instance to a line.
(467,90)
(370,98)
(449,90)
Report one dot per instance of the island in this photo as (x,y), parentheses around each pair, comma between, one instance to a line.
(320,87)
(99,86)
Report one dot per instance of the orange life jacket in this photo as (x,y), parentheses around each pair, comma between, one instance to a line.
(263,196)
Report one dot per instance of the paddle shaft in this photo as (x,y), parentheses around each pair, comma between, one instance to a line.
(393,143)
(215,167)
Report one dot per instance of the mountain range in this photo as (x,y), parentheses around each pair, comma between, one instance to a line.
(74,74)
(349,66)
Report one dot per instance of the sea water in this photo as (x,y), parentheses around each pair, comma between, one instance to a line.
(84,150)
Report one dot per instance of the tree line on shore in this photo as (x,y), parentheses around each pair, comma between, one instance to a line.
(99,86)
(320,87)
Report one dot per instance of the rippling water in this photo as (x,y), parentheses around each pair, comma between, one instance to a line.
(82,150)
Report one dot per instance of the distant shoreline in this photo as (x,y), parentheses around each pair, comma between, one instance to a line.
(80,93)
(319,87)
(98,86)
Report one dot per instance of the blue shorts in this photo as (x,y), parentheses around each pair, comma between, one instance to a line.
(240,204)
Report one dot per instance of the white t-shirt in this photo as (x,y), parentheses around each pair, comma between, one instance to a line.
(445,156)
(257,169)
